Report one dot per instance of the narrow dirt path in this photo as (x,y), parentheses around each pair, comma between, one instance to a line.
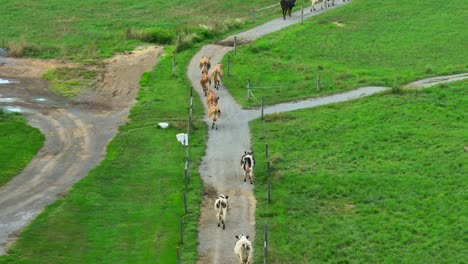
(220,169)
(77,132)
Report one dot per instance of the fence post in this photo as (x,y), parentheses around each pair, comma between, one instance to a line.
(190,120)
(186,175)
(235,44)
(265,244)
(185,203)
(181,231)
(266,151)
(178,256)
(302,14)
(318,82)
(248,89)
(262,106)
(254,16)
(268,182)
(229,65)
(174,66)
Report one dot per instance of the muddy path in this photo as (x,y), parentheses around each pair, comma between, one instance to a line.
(220,169)
(77,132)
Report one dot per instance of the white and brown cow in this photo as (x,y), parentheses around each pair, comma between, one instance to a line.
(221,205)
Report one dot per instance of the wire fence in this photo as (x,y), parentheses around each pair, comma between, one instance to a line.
(186,173)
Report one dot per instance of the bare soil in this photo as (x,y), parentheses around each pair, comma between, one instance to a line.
(77,131)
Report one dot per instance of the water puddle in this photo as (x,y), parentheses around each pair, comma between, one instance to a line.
(16,109)
(2,81)
(7,100)
(40,99)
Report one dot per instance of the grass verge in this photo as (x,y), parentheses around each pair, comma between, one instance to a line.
(19,142)
(128,209)
(378,180)
(353,46)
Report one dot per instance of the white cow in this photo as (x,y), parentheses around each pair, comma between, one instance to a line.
(327,2)
(248,164)
(221,205)
(243,249)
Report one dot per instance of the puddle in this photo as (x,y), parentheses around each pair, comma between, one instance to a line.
(8,100)
(2,81)
(14,109)
(40,99)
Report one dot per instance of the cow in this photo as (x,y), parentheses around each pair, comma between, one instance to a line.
(216,74)
(286,6)
(212,98)
(214,114)
(221,205)
(205,82)
(205,64)
(247,164)
(243,249)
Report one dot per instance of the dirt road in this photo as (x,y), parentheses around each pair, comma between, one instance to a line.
(77,132)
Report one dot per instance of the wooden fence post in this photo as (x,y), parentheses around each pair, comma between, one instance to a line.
(248,89)
(190,121)
(181,231)
(178,256)
(254,19)
(235,44)
(262,106)
(265,245)
(266,151)
(229,65)
(302,14)
(318,82)
(268,182)
(185,203)
(186,175)
(174,66)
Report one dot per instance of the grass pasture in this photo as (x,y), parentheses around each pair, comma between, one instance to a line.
(19,144)
(84,30)
(368,42)
(377,180)
(128,209)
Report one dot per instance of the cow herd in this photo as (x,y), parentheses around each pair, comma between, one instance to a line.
(243,247)
(214,113)
(287,5)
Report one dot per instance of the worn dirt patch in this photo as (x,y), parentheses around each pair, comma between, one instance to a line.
(77,131)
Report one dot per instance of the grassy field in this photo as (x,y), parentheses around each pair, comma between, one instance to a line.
(19,144)
(84,30)
(128,209)
(368,42)
(378,180)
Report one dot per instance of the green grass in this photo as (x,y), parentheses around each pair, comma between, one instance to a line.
(128,209)
(83,30)
(19,142)
(378,180)
(381,42)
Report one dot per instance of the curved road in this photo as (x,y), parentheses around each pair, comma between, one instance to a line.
(220,169)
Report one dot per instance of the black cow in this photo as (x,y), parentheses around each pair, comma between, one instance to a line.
(287,6)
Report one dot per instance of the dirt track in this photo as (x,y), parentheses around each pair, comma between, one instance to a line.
(77,132)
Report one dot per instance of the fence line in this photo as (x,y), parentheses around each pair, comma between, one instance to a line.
(254,12)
